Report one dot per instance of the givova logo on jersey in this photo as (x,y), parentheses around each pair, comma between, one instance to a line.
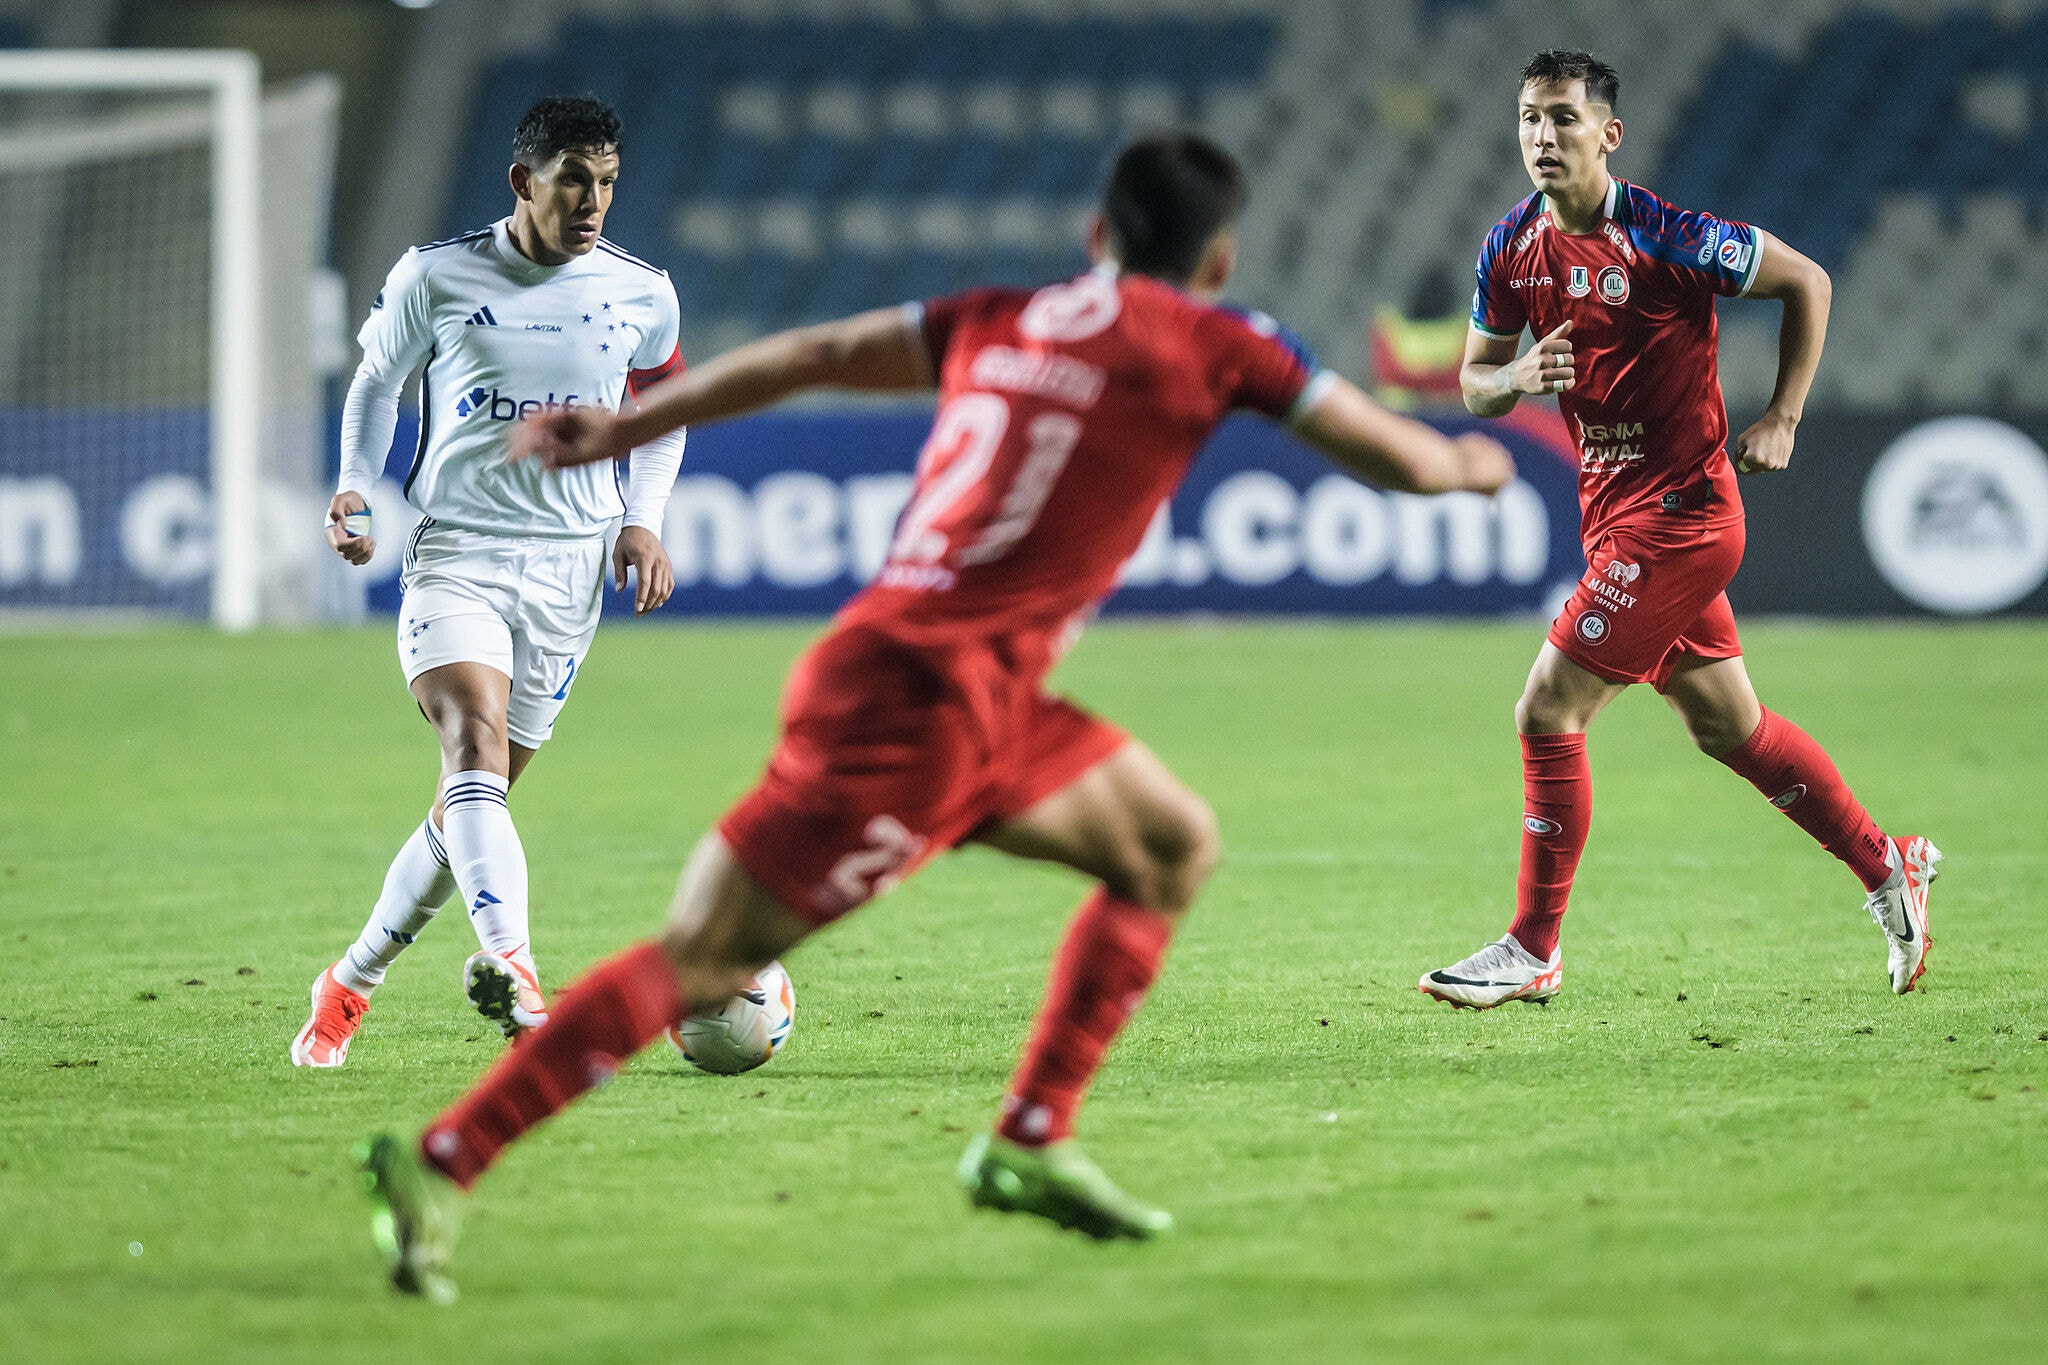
(504,408)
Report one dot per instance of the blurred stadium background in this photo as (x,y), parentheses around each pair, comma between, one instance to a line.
(788,162)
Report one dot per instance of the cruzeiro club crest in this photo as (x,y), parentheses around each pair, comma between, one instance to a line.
(1614,284)
(1578,288)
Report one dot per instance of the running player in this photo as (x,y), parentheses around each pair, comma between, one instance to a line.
(1620,286)
(503,577)
(918,722)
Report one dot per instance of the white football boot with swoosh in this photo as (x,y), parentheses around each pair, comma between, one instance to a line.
(1501,971)
(1900,908)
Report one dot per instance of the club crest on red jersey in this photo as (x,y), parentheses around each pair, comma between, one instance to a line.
(1577,286)
(1073,311)
(1614,284)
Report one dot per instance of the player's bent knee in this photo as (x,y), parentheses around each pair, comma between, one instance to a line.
(472,741)
(1549,711)
(472,735)
(709,963)
(1204,846)
(1536,714)
(724,925)
(1716,735)
(1172,859)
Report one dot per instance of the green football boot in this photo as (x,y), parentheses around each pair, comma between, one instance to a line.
(1057,1182)
(417,1218)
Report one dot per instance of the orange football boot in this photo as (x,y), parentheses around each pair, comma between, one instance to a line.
(337,1012)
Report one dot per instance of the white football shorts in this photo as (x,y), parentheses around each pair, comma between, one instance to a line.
(526,606)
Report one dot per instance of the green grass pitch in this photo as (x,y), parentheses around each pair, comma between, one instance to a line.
(1726,1140)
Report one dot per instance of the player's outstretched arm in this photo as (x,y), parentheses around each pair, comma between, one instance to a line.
(1399,452)
(1782,273)
(1492,380)
(878,350)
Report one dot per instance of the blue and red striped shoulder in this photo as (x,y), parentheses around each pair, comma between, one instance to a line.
(1517,218)
(1266,325)
(1495,310)
(1721,252)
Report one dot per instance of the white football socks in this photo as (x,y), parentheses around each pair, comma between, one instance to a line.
(488,861)
(417,885)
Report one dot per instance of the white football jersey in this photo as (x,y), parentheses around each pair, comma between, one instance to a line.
(503,338)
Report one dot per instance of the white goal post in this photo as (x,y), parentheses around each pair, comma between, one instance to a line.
(82,109)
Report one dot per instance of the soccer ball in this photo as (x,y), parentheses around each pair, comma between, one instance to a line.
(744,1032)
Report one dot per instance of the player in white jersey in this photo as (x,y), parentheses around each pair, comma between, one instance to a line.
(503,576)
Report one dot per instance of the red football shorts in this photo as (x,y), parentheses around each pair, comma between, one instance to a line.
(891,753)
(1654,592)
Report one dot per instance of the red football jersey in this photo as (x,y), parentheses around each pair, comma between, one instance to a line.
(1066,416)
(1645,405)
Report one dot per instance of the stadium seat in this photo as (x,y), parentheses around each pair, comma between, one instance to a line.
(850,282)
(902,165)
(477,195)
(927,274)
(818,167)
(740,167)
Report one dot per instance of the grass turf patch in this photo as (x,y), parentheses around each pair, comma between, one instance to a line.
(1725,1138)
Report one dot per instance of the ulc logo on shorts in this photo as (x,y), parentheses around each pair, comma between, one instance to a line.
(1592,627)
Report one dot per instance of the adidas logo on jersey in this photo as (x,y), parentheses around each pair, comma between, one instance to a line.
(481,318)
(504,408)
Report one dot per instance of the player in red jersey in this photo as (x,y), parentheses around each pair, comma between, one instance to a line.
(1620,287)
(1067,416)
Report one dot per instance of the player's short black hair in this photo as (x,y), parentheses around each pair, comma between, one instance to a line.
(559,122)
(1168,195)
(1561,65)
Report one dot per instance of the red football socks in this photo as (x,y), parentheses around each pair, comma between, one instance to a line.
(1797,776)
(1557,811)
(1108,959)
(618,1007)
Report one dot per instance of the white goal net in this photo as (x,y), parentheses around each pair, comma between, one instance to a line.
(162,413)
